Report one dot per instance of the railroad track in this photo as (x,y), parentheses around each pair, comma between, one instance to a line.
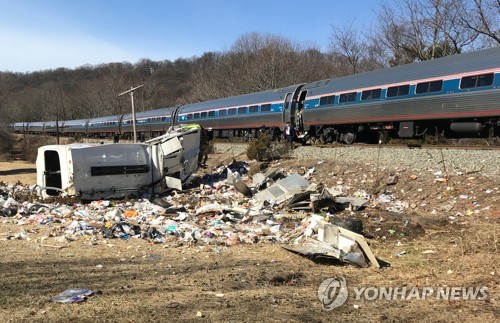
(409,146)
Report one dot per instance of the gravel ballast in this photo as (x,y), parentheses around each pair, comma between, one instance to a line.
(486,162)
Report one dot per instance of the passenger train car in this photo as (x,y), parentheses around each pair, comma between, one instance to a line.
(456,96)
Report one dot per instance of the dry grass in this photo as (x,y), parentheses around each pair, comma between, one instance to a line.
(140,281)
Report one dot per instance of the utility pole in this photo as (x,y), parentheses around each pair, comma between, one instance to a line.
(57,128)
(131,91)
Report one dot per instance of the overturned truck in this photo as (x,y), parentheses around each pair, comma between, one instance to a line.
(98,171)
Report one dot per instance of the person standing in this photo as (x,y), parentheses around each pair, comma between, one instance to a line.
(300,120)
(289,134)
(205,146)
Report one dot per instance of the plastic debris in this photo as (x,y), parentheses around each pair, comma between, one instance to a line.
(399,254)
(72,295)
(334,241)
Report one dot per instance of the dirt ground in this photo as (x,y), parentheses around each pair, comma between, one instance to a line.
(18,171)
(429,244)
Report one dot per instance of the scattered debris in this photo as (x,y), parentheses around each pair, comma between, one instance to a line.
(229,207)
(283,189)
(340,243)
(72,295)
(401,253)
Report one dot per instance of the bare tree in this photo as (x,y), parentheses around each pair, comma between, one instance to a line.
(350,43)
(424,29)
(255,62)
(483,18)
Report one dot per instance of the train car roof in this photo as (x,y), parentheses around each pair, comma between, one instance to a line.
(151,113)
(461,63)
(74,121)
(108,118)
(240,100)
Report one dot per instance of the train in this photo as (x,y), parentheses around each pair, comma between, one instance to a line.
(453,96)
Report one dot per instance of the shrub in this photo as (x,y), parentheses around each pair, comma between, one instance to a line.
(6,141)
(260,148)
(32,143)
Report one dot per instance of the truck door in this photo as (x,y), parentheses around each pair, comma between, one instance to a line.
(52,172)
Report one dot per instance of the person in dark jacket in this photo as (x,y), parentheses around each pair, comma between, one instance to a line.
(205,146)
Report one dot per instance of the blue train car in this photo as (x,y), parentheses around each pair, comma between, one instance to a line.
(454,94)
(242,115)
(19,127)
(152,122)
(104,126)
(73,127)
(36,127)
(53,127)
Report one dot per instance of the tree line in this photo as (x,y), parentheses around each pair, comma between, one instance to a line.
(405,31)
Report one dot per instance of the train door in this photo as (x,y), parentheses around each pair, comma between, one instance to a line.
(299,121)
(291,105)
(174,116)
(289,112)
(286,108)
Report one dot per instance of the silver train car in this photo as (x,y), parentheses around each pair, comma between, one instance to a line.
(152,122)
(242,115)
(453,96)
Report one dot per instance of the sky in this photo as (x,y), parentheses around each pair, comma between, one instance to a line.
(47,34)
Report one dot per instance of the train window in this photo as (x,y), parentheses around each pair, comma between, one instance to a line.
(468,82)
(265,108)
(203,114)
(371,94)
(165,118)
(326,100)
(476,81)
(196,115)
(231,111)
(436,86)
(485,80)
(189,116)
(242,110)
(222,113)
(211,113)
(347,97)
(253,108)
(426,87)
(398,90)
